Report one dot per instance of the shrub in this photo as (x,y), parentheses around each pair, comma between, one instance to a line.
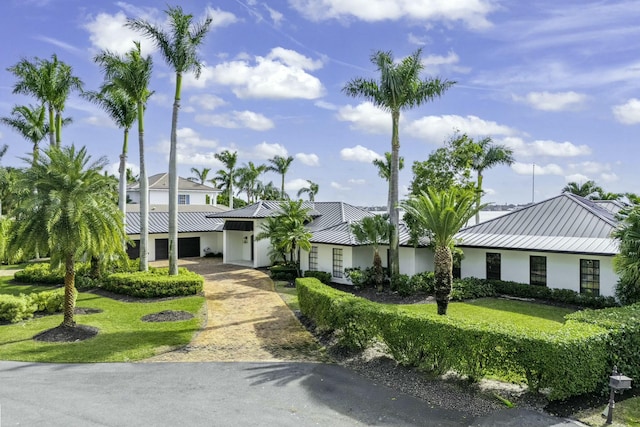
(155,283)
(471,288)
(40,273)
(286,272)
(213,255)
(48,301)
(323,276)
(424,282)
(356,276)
(16,308)
(402,284)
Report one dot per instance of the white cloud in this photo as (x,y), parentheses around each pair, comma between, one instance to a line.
(265,151)
(609,177)
(236,120)
(295,184)
(437,129)
(417,40)
(359,154)
(108,32)
(528,169)
(275,16)
(325,105)
(100,120)
(192,149)
(545,148)
(577,177)
(220,18)
(339,187)
(628,113)
(434,64)
(58,43)
(114,168)
(282,74)
(473,13)
(358,181)
(590,167)
(558,101)
(205,101)
(366,117)
(308,159)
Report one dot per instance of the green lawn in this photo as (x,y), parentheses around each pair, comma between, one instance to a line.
(515,314)
(626,413)
(289,295)
(122,335)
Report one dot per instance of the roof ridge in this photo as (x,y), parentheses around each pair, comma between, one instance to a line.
(592,207)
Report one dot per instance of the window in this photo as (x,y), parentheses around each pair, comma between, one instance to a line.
(313,258)
(590,276)
(183,199)
(493,266)
(337,262)
(538,270)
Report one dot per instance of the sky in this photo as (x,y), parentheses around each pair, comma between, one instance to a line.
(557,82)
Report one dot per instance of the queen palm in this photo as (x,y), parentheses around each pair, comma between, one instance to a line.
(179,49)
(200,175)
(487,155)
(399,88)
(373,230)
(131,73)
(123,111)
(442,213)
(227,178)
(50,82)
(248,179)
(384,171)
(30,123)
(312,189)
(280,165)
(72,213)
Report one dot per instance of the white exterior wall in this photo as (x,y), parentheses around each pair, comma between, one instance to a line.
(161,197)
(210,239)
(325,259)
(563,270)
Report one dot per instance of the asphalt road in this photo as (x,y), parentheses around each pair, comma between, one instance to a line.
(217,394)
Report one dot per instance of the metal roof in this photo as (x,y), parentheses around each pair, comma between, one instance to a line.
(565,223)
(261,209)
(188,222)
(160,181)
(341,234)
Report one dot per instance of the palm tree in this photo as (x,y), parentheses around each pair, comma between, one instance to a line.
(373,230)
(71,213)
(627,262)
(633,198)
(442,213)
(280,165)
(384,171)
(487,155)
(268,191)
(588,190)
(399,88)
(132,74)
(123,111)
(311,190)
(200,175)
(248,179)
(50,82)
(604,195)
(30,123)
(179,49)
(227,178)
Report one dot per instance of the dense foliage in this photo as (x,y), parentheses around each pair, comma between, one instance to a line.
(22,307)
(155,283)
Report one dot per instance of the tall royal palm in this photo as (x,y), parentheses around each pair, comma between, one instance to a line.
(442,213)
(131,73)
(384,171)
(179,49)
(30,122)
(72,213)
(123,111)
(280,165)
(226,178)
(312,189)
(399,88)
(486,156)
(51,82)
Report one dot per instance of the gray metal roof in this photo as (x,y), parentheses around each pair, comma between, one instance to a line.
(341,234)
(261,209)
(160,181)
(565,223)
(613,206)
(188,222)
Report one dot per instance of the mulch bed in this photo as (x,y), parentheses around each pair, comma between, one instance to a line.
(167,316)
(67,334)
(386,296)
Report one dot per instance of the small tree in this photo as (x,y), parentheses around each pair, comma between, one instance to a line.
(311,190)
(373,230)
(627,262)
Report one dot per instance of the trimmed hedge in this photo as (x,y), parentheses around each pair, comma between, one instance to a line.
(323,276)
(22,307)
(39,273)
(155,283)
(287,273)
(568,362)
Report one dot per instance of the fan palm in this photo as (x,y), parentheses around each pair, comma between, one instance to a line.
(179,49)
(131,74)
(373,230)
(71,213)
(442,213)
(226,178)
(399,88)
(311,190)
(280,165)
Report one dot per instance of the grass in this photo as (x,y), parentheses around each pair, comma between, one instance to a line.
(625,414)
(515,314)
(288,294)
(123,335)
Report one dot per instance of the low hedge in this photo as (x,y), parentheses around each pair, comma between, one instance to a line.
(40,273)
(22,307)
(568,362)
(323,276)
(286,273)
(154,283)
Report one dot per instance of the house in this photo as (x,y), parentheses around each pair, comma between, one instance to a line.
(334,246)
(189,192)
(561,242)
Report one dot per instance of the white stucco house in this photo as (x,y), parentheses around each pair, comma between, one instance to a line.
(189,192)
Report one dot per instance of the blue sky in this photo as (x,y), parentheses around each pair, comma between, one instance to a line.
(558,82)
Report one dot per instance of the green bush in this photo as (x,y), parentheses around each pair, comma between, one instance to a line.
(16,308)
(284,272)
(323,276)
(48,301)
(357,277)
(40,273)
(567,362)
(471,288)
(402,284)
(424,282)
(155,283)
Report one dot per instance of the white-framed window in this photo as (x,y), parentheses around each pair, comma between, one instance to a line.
(313,258)
(183,199)
(337,262)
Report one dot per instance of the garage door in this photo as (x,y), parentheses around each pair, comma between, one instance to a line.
(188,247)
(162,249)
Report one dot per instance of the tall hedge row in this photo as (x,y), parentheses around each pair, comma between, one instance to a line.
(568,362)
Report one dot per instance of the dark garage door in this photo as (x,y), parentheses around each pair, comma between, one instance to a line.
(188,247)
(133,249)
(162,249)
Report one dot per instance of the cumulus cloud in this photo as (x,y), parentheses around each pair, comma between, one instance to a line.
(434,64)
(325,105)
(528,169)
(437,129)
(191,148)
(308,159)
(366,117)
(339,187)
(266,151)
(473,13)
(359,154)
(204,101)
(295,184)
(282,74)
(108,32)
(546,148)
(220,18)
(609,177)
(628,113)
(236,120)
(576,177)
(558,101)
(590,167)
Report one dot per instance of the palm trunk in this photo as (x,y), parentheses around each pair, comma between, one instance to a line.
(230,189)
(378,272)
(478,196)
(443,277)
(69,291)
(394,214)
(58,129)
(173,183)
(52,127)
(122,185)
(144,195)
(282,188)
